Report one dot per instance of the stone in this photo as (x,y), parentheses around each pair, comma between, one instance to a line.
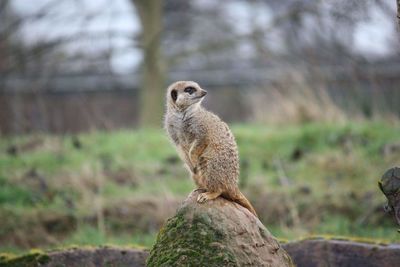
(216,233)
(390,187)
(342,253)
(79,256)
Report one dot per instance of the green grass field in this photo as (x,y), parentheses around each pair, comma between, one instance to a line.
(118,187)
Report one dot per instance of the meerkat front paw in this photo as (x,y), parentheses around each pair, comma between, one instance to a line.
(203,197)
(200,190)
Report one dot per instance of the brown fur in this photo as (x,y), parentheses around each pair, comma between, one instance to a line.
(205,143)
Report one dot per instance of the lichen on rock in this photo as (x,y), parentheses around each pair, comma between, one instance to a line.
(196,242)
(77,257)
(216,233)
(27,260)
(390,187)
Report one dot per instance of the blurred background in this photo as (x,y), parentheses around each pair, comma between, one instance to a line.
(311,90)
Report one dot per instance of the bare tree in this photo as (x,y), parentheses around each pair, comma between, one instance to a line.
(151,16)
(398,11)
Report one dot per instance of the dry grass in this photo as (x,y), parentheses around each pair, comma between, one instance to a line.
(294,99)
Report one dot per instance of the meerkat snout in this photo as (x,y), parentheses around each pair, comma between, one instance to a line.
(203,93)
(184,94)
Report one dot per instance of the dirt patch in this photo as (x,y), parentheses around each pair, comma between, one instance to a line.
(35,228)
(145,215)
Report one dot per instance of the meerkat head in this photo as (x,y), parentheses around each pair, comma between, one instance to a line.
(184,94)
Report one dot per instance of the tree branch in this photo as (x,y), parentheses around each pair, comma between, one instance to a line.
(398,11)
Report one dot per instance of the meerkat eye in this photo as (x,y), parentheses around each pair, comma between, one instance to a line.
(174,95)
(190,90)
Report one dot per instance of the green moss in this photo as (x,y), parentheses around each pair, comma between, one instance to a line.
(32,259)
(6,257)
(184,242)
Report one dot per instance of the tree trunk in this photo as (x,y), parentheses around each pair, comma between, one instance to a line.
(152,91)
(398,11)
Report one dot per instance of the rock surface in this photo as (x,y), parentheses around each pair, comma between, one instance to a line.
(216,233)
(305,253)
(77,257)
(342,253)
(390,186)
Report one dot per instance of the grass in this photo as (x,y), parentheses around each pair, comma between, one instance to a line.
(326,173)
(87,235)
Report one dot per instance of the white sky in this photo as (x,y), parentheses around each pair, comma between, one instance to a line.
(371,37)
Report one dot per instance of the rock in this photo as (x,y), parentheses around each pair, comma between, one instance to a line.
(106,256)
(216,233)
(390,186)
(76,257)
(342,253)
(307,253)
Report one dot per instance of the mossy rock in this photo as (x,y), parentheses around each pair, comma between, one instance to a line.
(390,182)
(77,257)
(216,233)
(31,259)
(390,186)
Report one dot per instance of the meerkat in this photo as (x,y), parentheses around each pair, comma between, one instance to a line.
(205,144)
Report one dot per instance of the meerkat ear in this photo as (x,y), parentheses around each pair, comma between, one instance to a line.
(174,95)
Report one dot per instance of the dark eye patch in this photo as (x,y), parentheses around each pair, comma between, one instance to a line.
(190,90)
(174,95)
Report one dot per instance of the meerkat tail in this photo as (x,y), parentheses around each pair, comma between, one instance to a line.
(242,201)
